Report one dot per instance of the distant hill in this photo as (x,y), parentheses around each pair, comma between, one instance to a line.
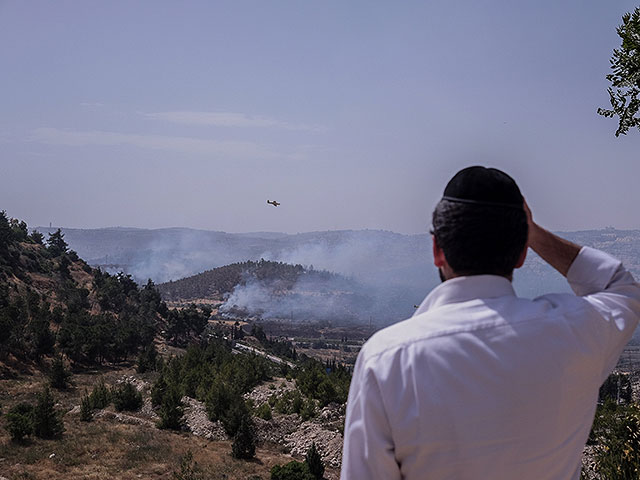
(396,269)
(218,282)
(274,289)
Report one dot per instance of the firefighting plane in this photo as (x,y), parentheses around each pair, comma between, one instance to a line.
(273,202)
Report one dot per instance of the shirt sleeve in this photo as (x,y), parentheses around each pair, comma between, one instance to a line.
(612,291)
(368,450)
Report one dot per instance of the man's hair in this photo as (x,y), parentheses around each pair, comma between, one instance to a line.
(480,239)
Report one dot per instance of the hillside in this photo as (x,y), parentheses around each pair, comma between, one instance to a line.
(72,404)
(53,303)
(274,289)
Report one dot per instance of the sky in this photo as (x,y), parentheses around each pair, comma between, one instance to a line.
(352,114)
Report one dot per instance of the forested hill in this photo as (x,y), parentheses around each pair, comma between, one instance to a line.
(216,283)
(53,303)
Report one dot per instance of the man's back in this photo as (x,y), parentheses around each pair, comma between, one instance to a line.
(482,384)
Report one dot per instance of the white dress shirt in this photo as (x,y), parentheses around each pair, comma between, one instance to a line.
(480,384)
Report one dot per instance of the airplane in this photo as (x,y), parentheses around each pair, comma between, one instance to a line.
(273,202)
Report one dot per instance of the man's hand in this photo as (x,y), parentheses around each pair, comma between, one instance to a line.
(556,251)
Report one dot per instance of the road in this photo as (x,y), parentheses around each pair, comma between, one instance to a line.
(273,358)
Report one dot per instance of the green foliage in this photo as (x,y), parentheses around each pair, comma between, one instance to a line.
(308,409)
(289,402)
(19,230)
(86,412)
(147,359)
(126,397)
(264,412)
(280,348)
(326,383)
(232,418)
(624,93)
(171,409)
(616,431)
(125,322)
(37,237)
(292,471)
(20,421)
(186,324)
(56,244)
(100,396)
(46,421)
(617,388)
(59,375)
(6,234)
(219,399)
(314,461)
(244,441)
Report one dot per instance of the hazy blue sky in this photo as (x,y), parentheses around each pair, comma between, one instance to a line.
(353,114)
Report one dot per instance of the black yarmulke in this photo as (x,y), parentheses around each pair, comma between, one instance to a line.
(483,186)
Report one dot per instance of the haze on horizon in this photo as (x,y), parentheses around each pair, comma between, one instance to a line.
(353,115)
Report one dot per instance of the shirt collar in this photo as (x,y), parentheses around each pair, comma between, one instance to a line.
(462,289)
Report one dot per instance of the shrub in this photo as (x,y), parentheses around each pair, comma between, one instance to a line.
(232,418)
(126,397)
(20,421)
(308,409)
(264,412)
(314,461)
(171,409)
(291,471)
(59,375)
(244,441)
(100,396)
(147,359)
(46,421)
(86,412)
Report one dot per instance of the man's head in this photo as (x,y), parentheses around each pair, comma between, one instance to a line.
(480,226)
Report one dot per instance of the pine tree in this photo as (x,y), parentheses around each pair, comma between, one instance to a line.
(46,422)
(624,93)
(126,397)
(56,244)
(59,376)
(86,412)
(171,409)
(314,461)
(20,421)
(244,441)
(100,396)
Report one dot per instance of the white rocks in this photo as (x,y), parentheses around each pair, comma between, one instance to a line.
(264,391)
(197,422)
(124,418)
(328,443)
(140,384)
(147,410)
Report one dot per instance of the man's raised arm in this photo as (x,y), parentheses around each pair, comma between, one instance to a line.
(556,251)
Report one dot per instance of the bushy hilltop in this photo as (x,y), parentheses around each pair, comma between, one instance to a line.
(51,301)
(217,282)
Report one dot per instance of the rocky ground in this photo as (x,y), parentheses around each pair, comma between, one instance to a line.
(288,431)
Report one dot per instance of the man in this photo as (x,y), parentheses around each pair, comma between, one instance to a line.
(480,384)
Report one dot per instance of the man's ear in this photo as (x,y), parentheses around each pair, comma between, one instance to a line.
(523,257)
(438,254)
